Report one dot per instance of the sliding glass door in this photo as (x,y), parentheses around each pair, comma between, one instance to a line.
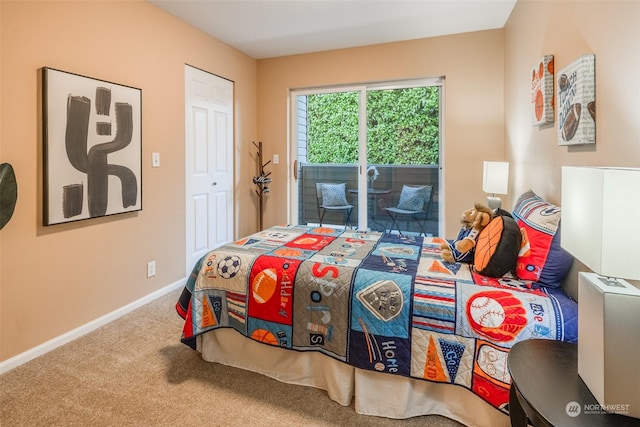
(367,147)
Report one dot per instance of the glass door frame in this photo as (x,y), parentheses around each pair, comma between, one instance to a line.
(362,89)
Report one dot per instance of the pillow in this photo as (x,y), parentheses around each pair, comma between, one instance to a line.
(334,195)
(538,221)
(558,264)
(413,198)
(497,247)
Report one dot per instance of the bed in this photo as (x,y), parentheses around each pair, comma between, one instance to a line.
(380,320)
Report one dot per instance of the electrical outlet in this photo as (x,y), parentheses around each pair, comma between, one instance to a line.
(151,268)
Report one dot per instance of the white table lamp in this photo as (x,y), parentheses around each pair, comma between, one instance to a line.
(495,180)
(600,226)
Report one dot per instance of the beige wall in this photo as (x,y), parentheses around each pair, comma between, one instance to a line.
(57,278)
(567,29)
(473,123)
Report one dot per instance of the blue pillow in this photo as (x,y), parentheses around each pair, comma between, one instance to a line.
(334,195)
(413,198)
(557,264)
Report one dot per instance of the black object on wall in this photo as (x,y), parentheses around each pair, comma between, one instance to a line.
(8,193)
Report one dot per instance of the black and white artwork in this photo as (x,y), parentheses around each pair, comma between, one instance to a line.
(92,147)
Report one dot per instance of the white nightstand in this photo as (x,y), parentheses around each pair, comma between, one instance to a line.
(609,342)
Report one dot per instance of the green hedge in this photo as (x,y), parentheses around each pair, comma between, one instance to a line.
(402,127)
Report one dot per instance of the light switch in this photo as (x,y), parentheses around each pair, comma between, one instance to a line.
(155,160)
(276,159)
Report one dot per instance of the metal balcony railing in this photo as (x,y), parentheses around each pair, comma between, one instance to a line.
(388,186)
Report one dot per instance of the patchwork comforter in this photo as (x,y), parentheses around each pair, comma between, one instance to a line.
(376,301)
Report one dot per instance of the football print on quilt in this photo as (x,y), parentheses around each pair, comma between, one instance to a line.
(271,289)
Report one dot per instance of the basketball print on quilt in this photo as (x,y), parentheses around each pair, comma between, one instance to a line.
(497,247)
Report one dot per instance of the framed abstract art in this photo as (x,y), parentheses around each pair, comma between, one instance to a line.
(92,135)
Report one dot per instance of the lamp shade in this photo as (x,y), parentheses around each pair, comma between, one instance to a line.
(600,219)
(495,178)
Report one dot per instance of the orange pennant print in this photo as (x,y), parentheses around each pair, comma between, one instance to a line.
(433,369)
(439,268)
(208,318)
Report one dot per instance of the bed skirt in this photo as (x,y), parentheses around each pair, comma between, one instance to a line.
(372,393)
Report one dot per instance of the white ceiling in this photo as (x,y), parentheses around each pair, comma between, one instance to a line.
(271,28)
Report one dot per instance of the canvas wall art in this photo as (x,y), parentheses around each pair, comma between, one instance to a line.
(576,102)
(542,91)
(92,147)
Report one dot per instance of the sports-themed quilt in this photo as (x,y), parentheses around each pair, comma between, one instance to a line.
(381,302)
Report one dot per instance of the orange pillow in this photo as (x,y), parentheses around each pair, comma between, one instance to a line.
(497,247)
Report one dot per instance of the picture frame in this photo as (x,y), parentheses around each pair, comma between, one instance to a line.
(542,92)
(576,102)
(92,154)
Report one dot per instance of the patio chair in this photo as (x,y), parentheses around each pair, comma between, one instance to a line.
(333,197)
(414,204)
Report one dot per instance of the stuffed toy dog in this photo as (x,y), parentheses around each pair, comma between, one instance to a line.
(473,222)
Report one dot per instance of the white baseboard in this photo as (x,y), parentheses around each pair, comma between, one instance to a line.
(46,347)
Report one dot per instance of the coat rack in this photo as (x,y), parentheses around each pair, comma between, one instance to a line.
(262,181)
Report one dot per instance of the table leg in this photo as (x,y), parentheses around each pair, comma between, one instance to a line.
(372,206)
(516,413)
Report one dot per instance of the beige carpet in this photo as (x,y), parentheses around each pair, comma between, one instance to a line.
(135,372)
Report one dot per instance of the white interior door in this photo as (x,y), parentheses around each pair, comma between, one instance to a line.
(209,163)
